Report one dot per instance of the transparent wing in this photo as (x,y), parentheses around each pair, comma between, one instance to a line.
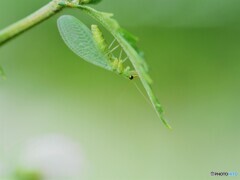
(78,37)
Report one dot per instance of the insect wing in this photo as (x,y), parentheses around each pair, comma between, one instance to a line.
(78,38)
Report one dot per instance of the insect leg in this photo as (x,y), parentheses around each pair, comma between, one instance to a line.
(125,59)
(112,50)
(111,44)
(120,55)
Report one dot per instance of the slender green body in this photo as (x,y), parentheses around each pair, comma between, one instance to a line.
(99,39)
(116,63)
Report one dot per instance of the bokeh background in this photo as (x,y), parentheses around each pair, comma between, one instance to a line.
(57,111)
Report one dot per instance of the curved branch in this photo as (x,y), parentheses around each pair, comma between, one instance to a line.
(33,19)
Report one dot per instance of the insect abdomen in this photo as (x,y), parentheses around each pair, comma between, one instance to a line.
(99,39)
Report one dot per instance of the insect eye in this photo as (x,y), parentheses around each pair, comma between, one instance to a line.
(131,77)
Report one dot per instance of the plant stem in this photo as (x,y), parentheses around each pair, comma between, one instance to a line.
(33,19)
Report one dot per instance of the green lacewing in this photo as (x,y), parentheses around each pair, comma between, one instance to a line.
(92,48)
(91,45)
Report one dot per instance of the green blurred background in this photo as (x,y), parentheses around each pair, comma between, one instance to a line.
(192,48)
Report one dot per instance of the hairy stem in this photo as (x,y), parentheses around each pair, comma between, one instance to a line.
(33,19)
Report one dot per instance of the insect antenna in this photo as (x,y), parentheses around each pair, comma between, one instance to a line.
(142,93)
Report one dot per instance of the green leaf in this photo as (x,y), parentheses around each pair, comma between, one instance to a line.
(129,37)
(127,42)
(138,62)
(132,40)
(78,37)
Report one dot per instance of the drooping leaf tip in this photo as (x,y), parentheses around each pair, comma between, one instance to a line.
(168,126)
(165,123)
